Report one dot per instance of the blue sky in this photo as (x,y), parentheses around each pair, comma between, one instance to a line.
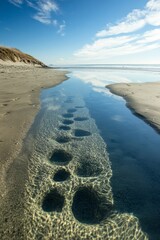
(83,31)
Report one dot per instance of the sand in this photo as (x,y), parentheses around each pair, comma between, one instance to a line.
(27,178)
(20,86)
(142,98)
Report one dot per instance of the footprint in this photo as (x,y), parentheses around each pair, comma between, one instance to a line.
(68,115)
(65,128)
(81,133)
(80,119)
(67,121)
(6,113)
(4,104)
(61,157)
(71,110)
(68,101)
(79,106)
(88,168)
(63,139)
(88,207)
(61,175)
(53,201)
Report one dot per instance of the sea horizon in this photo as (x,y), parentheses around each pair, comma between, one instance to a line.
(148,67)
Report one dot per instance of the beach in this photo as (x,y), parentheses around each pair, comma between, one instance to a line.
(142,98)
(19,103)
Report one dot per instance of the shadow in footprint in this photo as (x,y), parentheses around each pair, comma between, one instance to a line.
(61,175)
(71,110)
(88,168)
(88,207)
(80,119)
(69,101)
(65,128)
(67,121)
(81,133)
(63,139)
(79,106)
(53,201)
(68,115)
(61,157)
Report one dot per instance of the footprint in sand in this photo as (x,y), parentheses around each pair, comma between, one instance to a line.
(80,119)
(60,157)
(88,167)
(65,128)
(61,175)
(81,133)
(53,201)
(67,122)
(4,104)
(71,110)
(63,139)
(68,115)
(89,207)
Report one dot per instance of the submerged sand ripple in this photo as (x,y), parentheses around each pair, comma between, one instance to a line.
(68,214)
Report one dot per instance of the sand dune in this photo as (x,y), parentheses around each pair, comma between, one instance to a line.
(13,55)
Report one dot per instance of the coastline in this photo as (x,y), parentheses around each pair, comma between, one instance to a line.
(142,98)
(19,104)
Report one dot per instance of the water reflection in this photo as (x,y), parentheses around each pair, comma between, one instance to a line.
(99,78)
(78,149)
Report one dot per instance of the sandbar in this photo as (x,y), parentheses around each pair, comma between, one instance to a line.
(142,98)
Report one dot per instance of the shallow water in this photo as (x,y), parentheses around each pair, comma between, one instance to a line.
(79,124)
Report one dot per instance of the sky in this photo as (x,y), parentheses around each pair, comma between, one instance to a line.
(83,31)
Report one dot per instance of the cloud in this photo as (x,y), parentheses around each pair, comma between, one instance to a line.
(16,2)
(121,45)
(103,44)
(44,11)
(61,29)
(123,38)
(135,20)
(131,23)
(44,8)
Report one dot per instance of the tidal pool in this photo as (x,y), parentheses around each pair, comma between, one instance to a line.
(94,166)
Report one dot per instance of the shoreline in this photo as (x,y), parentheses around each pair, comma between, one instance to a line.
(19,104)
(143,99)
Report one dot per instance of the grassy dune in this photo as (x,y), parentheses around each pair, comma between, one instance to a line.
(14,55)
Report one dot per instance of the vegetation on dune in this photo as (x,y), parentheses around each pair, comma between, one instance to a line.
(15,55)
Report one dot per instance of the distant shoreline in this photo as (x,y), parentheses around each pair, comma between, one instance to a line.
(147,68)
(142,98)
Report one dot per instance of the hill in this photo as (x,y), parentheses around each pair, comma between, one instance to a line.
(14,55)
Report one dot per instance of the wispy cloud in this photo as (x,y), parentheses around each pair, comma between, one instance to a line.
(16,2)
(123,38)
(44,12)
(62,27)
(135,20)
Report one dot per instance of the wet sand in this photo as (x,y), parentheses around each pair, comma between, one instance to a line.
(142,98)
(19,103)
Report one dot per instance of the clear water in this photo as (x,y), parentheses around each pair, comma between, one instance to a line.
(132,145)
